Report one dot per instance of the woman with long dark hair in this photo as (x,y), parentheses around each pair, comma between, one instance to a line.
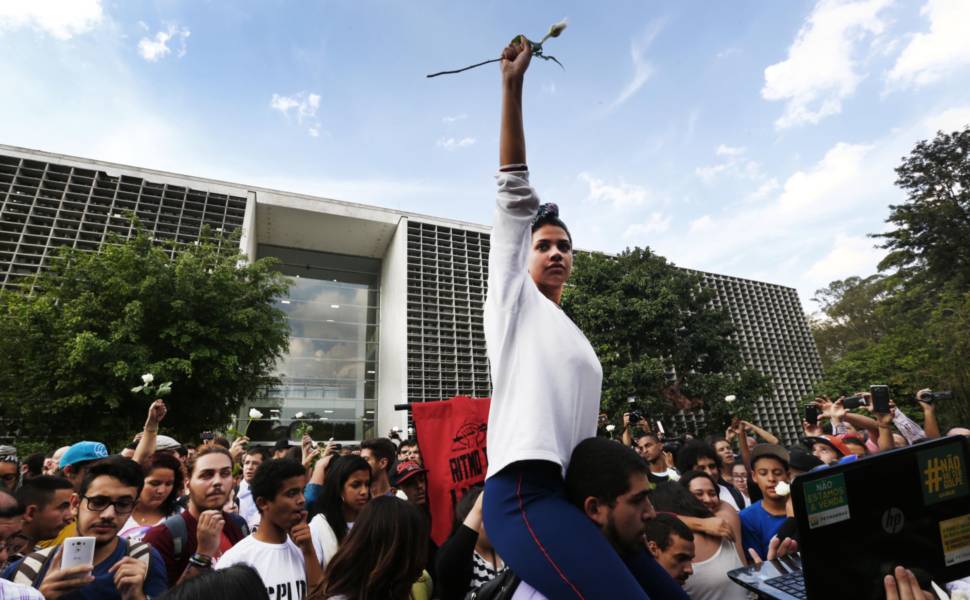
(546,384)
(346,490)
(159,496)
(382,556)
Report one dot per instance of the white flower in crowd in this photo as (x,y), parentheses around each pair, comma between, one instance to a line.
(730,399)
(255,414)
(298,415)
(396,429)
(147,378)
(674,476)
(782,489)
(611,428)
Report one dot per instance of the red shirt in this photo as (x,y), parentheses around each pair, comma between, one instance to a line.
(160,537)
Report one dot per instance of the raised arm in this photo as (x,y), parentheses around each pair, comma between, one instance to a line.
(149,436)
(930,425)
(515,61)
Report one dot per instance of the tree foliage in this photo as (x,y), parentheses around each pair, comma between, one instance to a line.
(909,325)
(933,225)
(659,339)
(73,347)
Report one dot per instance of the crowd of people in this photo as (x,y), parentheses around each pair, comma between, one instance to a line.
(181,521)
(563,513)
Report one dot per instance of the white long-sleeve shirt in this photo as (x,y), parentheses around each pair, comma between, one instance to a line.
(546,378)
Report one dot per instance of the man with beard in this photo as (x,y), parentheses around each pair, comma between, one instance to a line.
(120,570)
(192,541)
(282,549)
(608,482)
(47,507)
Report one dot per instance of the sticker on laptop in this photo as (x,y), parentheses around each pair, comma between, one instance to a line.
(943,474)
(955,534)
(826,501)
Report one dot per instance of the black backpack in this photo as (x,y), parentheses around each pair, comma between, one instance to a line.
(501,588)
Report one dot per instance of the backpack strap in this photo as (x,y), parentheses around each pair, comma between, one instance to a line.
(140,551)
(33,566)
(240,522)
(176,527)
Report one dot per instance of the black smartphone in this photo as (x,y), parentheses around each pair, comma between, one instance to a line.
(811,414)
(880,398)
(207,436)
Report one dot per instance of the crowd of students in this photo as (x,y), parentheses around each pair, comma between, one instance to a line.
(177,521)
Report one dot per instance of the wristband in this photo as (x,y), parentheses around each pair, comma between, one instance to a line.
(201,560)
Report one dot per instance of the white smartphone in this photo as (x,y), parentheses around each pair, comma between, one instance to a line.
(77,551)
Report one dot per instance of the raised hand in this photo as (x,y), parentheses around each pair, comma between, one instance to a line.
(238,448)
(156,413)
(129,578)
(516,58)
(210,532)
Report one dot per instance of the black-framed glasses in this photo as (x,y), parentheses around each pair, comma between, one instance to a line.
(123,505)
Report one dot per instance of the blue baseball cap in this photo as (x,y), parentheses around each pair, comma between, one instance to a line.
(83,452)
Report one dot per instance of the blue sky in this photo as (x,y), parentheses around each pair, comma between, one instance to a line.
(756,139)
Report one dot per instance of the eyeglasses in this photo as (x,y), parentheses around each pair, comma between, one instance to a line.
(123,505)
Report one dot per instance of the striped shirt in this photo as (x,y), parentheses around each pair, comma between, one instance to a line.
(482,572)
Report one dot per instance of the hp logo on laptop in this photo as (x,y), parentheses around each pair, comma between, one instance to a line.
(893,520)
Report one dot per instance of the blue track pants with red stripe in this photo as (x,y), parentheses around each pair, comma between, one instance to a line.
(557,549)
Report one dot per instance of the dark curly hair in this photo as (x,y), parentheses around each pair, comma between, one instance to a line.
(549,215)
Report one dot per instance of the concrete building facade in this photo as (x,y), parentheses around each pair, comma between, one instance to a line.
(385,307)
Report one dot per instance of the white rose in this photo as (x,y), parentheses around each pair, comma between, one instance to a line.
(558,28)
(730,399)
(298,415)
(674,476)
(255,414)
(611,428)
(147,378)
(783,489)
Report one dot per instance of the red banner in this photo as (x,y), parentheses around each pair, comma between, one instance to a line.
(451,434)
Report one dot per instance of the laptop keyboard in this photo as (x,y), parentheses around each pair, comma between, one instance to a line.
(792,583)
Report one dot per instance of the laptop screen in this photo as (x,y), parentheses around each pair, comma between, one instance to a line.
(907,507)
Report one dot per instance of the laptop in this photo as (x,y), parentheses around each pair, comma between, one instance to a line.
(858,521)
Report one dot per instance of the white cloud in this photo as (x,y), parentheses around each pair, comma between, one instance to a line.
(734,164)
(453,119)
(944,48)
(949,120)
(820,71)
(725,150)
(701,225)
(156,48)
(451,144)
(642,69)
(303,105)
(620,195)
(655,223)
(764,190)
(62,19)
(848,256)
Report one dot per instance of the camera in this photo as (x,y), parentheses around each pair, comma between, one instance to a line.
(635,412)
(931,397)
(880,398)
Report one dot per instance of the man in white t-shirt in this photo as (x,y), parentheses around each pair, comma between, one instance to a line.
(247,505)
(282,549)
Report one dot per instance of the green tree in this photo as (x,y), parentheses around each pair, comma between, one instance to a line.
(909,326)
(933,226)
(198,314)
(659,338)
